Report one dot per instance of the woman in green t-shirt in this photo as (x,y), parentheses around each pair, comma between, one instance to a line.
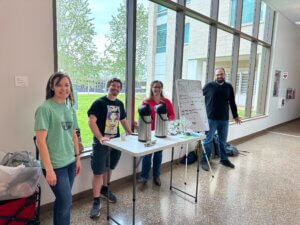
(55,128)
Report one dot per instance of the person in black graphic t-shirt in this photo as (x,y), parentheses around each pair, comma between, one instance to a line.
(219,96)
(104,117)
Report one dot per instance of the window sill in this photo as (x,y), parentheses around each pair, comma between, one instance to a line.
(250,119)
(86,153)
(88,150)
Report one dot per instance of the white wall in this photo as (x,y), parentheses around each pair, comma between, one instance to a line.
(26,49)
(285,57)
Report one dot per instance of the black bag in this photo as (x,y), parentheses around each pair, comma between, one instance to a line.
(230,149)
(191,158)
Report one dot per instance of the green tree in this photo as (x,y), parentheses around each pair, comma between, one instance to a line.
(77,53)
(114,60)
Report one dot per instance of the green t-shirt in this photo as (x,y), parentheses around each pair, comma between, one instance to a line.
(59,120)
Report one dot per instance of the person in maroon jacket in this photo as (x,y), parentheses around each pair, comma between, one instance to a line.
(156,97)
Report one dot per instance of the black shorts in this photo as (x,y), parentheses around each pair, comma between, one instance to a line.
(99,158)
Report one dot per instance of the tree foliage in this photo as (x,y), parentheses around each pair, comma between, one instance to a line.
(77,53)
(114,60)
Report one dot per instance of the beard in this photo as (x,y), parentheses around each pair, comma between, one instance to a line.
(220,80)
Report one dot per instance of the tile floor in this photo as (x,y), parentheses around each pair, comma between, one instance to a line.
(264,188)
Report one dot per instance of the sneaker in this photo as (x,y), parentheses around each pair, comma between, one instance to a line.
(157,181)
(204,166)
(105,194)
(227,163)
(142,180)
(95,210)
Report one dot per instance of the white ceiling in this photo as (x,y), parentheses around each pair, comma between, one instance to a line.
(289,8)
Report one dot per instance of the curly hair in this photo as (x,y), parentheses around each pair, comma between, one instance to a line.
(109,82)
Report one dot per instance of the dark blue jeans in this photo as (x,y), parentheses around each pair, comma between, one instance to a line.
(146,166)
(221,126)
(63,196)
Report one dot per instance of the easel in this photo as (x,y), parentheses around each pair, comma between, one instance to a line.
(191,105)
(199,145)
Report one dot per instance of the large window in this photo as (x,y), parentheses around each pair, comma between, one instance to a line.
(260,82)
(158,34)
(265,26)
(91,44)
(91,47)
(241,89)
(224,52)
(195,58)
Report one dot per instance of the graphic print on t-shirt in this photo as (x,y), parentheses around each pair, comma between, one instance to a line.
(66,122)
(112,120)
(66,125)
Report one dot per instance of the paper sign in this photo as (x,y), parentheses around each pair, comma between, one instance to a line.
(191,104)
(21,81)
(285,75)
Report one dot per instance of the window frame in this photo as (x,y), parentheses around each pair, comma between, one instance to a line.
(182,9)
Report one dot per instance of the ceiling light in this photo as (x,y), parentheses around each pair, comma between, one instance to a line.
(297,22)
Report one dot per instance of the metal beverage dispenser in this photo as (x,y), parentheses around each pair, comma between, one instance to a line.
(161,117)
(144,123)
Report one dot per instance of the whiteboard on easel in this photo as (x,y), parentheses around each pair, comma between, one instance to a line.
(191,103)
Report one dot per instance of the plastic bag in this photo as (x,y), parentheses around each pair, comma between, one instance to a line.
(20,181)
(18,158)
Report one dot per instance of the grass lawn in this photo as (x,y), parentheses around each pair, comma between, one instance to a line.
(241,112)
(84,103)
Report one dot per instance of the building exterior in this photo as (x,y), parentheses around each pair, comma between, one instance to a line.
(161,31)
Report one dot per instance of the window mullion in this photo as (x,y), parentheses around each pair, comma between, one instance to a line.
(236,43)
(256,18)
(130,59)
(212,41)
(252,64)
(178,53)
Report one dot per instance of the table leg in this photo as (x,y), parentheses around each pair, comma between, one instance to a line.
(186,154)
(134,190)
(171,168)
(198,168)
(108,181)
